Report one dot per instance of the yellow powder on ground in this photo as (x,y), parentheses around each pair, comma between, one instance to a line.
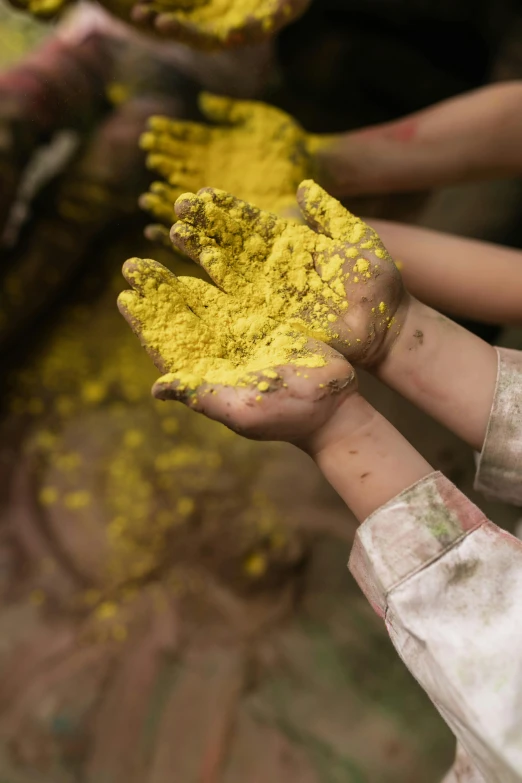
(128,472)
(258,153)
(275,303)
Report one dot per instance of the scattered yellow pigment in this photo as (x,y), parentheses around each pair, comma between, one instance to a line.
(136,479)
(258,153)
(77,500)
(256,565)
(282,285)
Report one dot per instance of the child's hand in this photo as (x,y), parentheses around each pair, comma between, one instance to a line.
(339,286)
(217,24)
(254,151)
(256,375)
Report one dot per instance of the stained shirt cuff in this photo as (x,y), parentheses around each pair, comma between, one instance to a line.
(408,534)
(499,472)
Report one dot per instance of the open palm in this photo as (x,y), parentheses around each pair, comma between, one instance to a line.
(267,393)
(253,150)
(339,286)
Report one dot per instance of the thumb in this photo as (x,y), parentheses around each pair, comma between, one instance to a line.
(326,215)
(223,110)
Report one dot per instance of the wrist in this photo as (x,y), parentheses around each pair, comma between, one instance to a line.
(365,459)
(442,368)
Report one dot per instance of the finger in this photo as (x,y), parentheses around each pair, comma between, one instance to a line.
(158,314)
(160,203)
(226,111)
(173,169)
(266,224)
(182,130)
(191,241)
(164,144)
(205,252)
(326,215)
(146,276)
(158,234)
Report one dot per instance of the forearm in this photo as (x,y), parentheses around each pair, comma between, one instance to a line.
(462,277)
(445,370)
(473,136)
(364,457)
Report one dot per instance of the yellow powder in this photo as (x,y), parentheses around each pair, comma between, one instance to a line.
(185,506)
(258,153)
(133,439)
(186,476)
(284,284)
(222,19)
(37,597)
(256,565)
(106,611)
(77,500)
(170,425)
(48,496)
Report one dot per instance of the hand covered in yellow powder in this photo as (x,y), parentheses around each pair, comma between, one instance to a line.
(255,151)
(217,24)
(261,351)
(331,279)
(225,358)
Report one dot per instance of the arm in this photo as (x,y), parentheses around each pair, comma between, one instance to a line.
(446,580)
(443,369)
(462,277)
(473,136)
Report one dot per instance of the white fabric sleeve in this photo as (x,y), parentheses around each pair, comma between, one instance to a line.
(449,585)
(499,471)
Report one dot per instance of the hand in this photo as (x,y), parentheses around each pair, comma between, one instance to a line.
(217,24)
(339,286)
(255,151)
(259,377)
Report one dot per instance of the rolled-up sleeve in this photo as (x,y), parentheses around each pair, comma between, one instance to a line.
(499,471)
(449,585)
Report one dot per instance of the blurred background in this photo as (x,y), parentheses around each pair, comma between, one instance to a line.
(174,600)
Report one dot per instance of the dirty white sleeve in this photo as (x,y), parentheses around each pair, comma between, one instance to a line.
(499,471)
(449,585)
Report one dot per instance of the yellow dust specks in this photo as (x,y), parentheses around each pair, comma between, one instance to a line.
(133,438)
(37,597)
(170,425)
(361,265)
(93,392)
(256,565)
(106,610)
(75,501)
(48,496)
(185,506)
